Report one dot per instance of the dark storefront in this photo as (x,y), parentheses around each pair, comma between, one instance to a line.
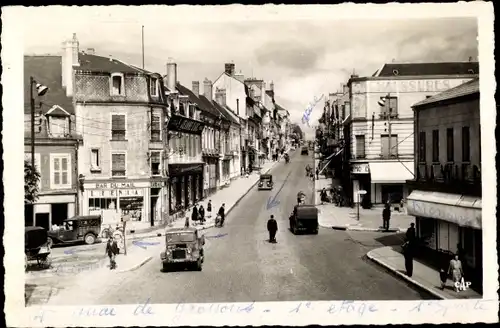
(213,176)
(185,185)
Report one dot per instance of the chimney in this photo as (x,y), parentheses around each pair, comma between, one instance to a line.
(90,51)
(171,74)
(229,69)
(196,88)
(207,89)
(271,86)
(69,60)
(345,89)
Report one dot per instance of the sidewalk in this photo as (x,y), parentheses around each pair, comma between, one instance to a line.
(345,218)
(423,276)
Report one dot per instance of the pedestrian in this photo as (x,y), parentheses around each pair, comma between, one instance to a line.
(111,251)
(201,213)
(386,216)
(272,228)
(209,209)
(221,213)
(194,214)
(456,271)
(323,196)
(410,234)
(317,174)
(186,222)
(408,255)
(443,276)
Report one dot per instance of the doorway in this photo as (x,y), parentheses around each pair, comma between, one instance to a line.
(59,213)
(42,220)
(28,215)
(155,193)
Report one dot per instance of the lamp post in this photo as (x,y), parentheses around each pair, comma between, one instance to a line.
(41,90)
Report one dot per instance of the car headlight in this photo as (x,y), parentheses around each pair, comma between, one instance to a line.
(189,250)
(260,184)
(269,183)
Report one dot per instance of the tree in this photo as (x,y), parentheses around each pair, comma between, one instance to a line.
(31,183)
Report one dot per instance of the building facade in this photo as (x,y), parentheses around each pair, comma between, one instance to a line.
(381,124)
(56,144)
(120,111)
(446,191)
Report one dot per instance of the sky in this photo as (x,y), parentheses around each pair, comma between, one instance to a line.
(305,55)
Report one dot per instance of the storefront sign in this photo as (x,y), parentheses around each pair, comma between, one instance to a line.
(360,168)
(115,193)
(414,85)
(184,124)
(462,216)
(156,184)
(181,169)
(114,185)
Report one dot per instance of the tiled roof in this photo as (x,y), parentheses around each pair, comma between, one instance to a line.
(464,89)
(205,105)
(95,63)
(419,69)
(46,70)
(227,113)
(186,92)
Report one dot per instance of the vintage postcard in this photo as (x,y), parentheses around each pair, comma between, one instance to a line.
(249,165)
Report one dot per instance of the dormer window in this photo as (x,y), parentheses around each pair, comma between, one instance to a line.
(117,84)
(153,87)
(58,122)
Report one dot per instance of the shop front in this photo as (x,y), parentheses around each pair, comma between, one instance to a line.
(211,175)
(449,224)
(388,181)
(50,210)
(141,200)
(226,169)
(185,185)
(360,173)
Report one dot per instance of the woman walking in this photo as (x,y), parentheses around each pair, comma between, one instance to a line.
(201,213)
(456,271)
(209,209)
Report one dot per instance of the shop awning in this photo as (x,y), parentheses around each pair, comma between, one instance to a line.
(391,172)
(462,210)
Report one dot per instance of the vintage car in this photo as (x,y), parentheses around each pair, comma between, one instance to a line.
(304,151)
(304,218)
(183,246)
(36,247)
(266,182)
(77,229)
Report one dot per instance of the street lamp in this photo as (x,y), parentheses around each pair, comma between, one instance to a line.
(41,90)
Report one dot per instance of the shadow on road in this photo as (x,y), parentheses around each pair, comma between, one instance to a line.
(395,240)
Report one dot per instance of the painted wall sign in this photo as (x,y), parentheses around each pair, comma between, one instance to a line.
(156,184)
(180,169)
(184,124)
(114,185)
(413,85)
(115,193)
(462,216)
(360,168)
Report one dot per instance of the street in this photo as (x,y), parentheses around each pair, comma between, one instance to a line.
(240,264)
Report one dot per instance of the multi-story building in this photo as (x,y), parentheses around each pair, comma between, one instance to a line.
(380,124)
(446,191)
(56,143)
(184,147)
(120,111)
(256,109)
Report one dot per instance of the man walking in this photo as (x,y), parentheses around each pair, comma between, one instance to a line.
(222,214)
(272,228)
(317,174)
(386,216)
(111,251)
(408,255)
(410,234)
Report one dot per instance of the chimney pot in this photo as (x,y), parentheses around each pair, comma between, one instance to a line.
(171,74)
(207,89)
(196,88)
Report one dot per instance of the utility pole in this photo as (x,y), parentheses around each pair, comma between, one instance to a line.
(389,124)
(32,102)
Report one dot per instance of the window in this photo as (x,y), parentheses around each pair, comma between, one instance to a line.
(155,126)
(435,146)
(360,146)
(60,172)
(465,144)
(118,126)
(58,126)
(450,155)
(95,160)
(155,163)
(421,146)
(393,151)
(117,85)
(153,87)
(392,103)
(118,165)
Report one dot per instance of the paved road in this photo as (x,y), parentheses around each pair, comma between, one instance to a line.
(242,266)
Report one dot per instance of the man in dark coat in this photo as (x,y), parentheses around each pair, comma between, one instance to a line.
(410,234)
(272,228)
(408,254)
(222,213)
(386,216)
(194,214)
(111,251)
(317,174)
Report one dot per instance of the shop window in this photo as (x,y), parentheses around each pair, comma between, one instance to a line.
(118,126)
(60,171)
(155,126)
(427,232)
(97,204)
(421,147)
(118,165)
(132,206)
(435,146)
(450,154)
(155,163)
(465,144)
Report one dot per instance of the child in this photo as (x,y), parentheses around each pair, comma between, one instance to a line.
(443,276)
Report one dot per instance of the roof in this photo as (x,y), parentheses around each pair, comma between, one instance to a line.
(207,106)
(227,113)
(46,70)
(419,69)
(183,229)
(95,63)
(462,90)
(186,92)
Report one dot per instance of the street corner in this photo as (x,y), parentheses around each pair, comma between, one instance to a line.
(134,266)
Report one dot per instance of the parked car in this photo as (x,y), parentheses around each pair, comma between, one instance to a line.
(304,218)
(183,246)
(77,229)
(36,247)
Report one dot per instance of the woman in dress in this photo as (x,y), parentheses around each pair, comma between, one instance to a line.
(456,271)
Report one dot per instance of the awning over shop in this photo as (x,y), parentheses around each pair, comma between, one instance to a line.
(391,172)
(462,210)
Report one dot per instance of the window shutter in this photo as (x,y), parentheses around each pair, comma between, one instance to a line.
(118,122)
(385,145)
(118,162)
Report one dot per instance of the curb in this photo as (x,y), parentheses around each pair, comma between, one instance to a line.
(354,228)
(405,277)
(138,265)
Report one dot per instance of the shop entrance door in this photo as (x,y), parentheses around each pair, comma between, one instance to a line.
(155,193)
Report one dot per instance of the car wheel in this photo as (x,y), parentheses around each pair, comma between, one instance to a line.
(89,239)
(315,232)
(199,266)
(165,267)
(50,242)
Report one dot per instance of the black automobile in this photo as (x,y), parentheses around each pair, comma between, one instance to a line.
(304,151)
(304,218)
(36,247)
